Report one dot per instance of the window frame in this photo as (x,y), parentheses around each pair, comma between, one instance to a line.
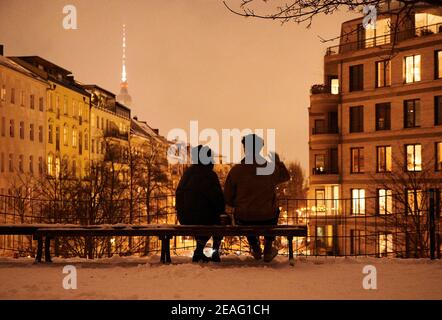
(386,71)
(386,107)
(360,155)
(386,147)
(414,157)
(416,110)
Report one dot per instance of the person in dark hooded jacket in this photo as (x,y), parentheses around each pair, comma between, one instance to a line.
(200,200)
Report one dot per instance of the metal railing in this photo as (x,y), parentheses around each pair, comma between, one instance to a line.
(369,226)
(385,39)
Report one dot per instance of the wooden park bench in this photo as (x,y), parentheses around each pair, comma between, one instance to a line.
(44,233)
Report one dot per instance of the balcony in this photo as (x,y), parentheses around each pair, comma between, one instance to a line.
(115,133)
(386,39)
(325,131)
(324,171)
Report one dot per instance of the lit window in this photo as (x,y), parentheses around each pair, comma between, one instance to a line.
(438,64)
(439,156)
(319,163)
(335,86)
(412,69)
(357,160)
(385,201)
(50,164)
(3,93)
(414,157)
(22,98)
(385,244)
(383,73)
(379,35)
(319,200)
(412,113)
(357,201)
(415,201)
(383,159)
(57,167)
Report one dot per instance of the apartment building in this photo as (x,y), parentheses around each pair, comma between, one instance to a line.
(374,123)
(109,126)
(67,118)
(22,126)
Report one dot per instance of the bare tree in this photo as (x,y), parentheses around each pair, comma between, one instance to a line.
(405,202)
(305,10)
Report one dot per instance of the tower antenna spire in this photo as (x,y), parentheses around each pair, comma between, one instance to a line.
(123,97)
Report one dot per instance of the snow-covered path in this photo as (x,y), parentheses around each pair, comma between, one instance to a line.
(234,278)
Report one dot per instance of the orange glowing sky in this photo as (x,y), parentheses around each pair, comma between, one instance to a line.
(186,60)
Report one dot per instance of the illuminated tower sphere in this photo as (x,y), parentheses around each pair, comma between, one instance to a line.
(123,97)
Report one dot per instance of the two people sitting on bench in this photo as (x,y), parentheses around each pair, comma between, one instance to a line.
(251,194)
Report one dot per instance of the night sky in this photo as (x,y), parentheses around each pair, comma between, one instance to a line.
(186,60)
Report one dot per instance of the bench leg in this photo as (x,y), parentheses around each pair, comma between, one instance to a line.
(163,251)
(48,249)
(168,260)
(290,243)
(39,249)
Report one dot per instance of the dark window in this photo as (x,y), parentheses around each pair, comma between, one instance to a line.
(319,126)
(356,239)
(383,111)
(412,113)
(357,119)
(383,73)
(333,154)
(361,36)
(333,122)
(438,110)
(357,160)
(357,77)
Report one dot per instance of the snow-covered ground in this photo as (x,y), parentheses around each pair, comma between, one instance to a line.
(235,278)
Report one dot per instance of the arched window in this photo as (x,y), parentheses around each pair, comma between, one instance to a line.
(57,167)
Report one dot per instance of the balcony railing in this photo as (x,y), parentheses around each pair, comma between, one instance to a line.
(320,88)
(385,39)
(316,131)
(115,133)
(324,171)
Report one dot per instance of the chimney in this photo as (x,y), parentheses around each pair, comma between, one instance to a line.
(136,118)
(1,49)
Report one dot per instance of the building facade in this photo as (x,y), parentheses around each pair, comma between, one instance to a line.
(67,119)
(375,139)
(22,126)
